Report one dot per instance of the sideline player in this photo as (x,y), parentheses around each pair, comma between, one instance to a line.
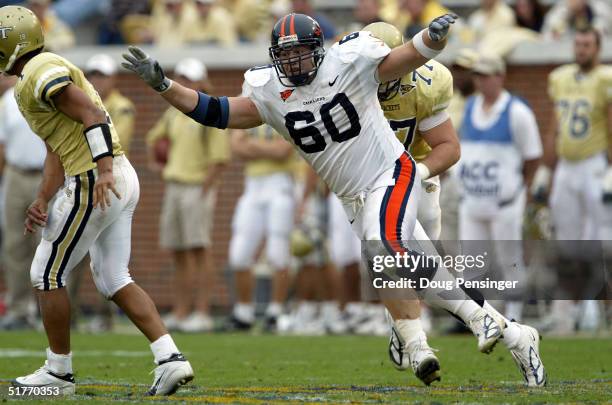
(326,104)
(578,147)
(63,108)
(415,106)
(265,210)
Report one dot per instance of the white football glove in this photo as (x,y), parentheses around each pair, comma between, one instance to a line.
(439,26)
(147,68)
(607,186)
(541,183)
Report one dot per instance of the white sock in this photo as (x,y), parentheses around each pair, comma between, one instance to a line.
(244,312)
(274,310)
(464,309)
(163,348)
(60,364)
(409,329)
(354,308)
(330,310)
(491,310)
(306,311)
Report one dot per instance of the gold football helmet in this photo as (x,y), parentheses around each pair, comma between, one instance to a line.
(393,38)
(20,33)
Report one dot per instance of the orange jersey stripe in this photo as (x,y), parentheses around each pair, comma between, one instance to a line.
(392,229)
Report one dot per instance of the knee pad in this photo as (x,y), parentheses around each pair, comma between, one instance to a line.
(108,282)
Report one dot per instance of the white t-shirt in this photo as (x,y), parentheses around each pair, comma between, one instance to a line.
(22,147)
(336,121)
(523,124)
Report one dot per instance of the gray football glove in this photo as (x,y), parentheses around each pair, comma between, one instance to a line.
(439,26)
(147,68)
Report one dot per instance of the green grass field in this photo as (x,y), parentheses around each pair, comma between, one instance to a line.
(250,369)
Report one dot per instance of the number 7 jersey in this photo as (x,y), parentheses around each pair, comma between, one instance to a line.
(335,122)
(422,94)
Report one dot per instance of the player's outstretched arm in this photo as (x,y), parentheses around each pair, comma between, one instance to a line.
(425,45)
(219,112)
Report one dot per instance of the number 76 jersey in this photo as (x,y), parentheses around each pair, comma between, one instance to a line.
(581,101)
(335,122)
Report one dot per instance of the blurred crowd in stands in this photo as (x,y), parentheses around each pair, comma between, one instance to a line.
(171,23)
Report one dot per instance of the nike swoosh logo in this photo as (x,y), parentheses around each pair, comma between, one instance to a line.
(153,390)
(334,82)
(351,221)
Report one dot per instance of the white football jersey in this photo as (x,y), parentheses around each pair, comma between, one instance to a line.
(336,121)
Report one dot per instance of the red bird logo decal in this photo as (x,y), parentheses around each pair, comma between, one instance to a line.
(286,94)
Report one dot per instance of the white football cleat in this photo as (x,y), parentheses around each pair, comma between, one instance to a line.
(44,377)
(416,355)
(487,328)
(526,355)
(197,322)
(170,374)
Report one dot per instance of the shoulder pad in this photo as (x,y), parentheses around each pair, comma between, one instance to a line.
(258,76)
(358,43)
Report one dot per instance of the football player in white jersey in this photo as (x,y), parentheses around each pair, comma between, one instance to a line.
(326,104)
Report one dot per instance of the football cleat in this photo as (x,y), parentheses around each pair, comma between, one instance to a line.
(526,355)
(416,355)
(270,324)
(170,374)
(487,329)
(197,322)
(396,351)
(44,377)
(234,324)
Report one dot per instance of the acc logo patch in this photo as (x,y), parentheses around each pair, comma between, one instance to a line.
(286,94)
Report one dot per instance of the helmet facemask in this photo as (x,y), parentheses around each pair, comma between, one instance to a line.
(300,69)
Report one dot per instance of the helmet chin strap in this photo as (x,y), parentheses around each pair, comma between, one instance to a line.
(300,80)
(13,58)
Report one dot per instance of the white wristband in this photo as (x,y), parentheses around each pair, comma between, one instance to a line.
(423,170)
(424,50)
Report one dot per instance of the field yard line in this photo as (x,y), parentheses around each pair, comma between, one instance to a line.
(12,353)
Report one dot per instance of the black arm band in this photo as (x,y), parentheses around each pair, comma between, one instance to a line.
(99,140)
(211,111)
